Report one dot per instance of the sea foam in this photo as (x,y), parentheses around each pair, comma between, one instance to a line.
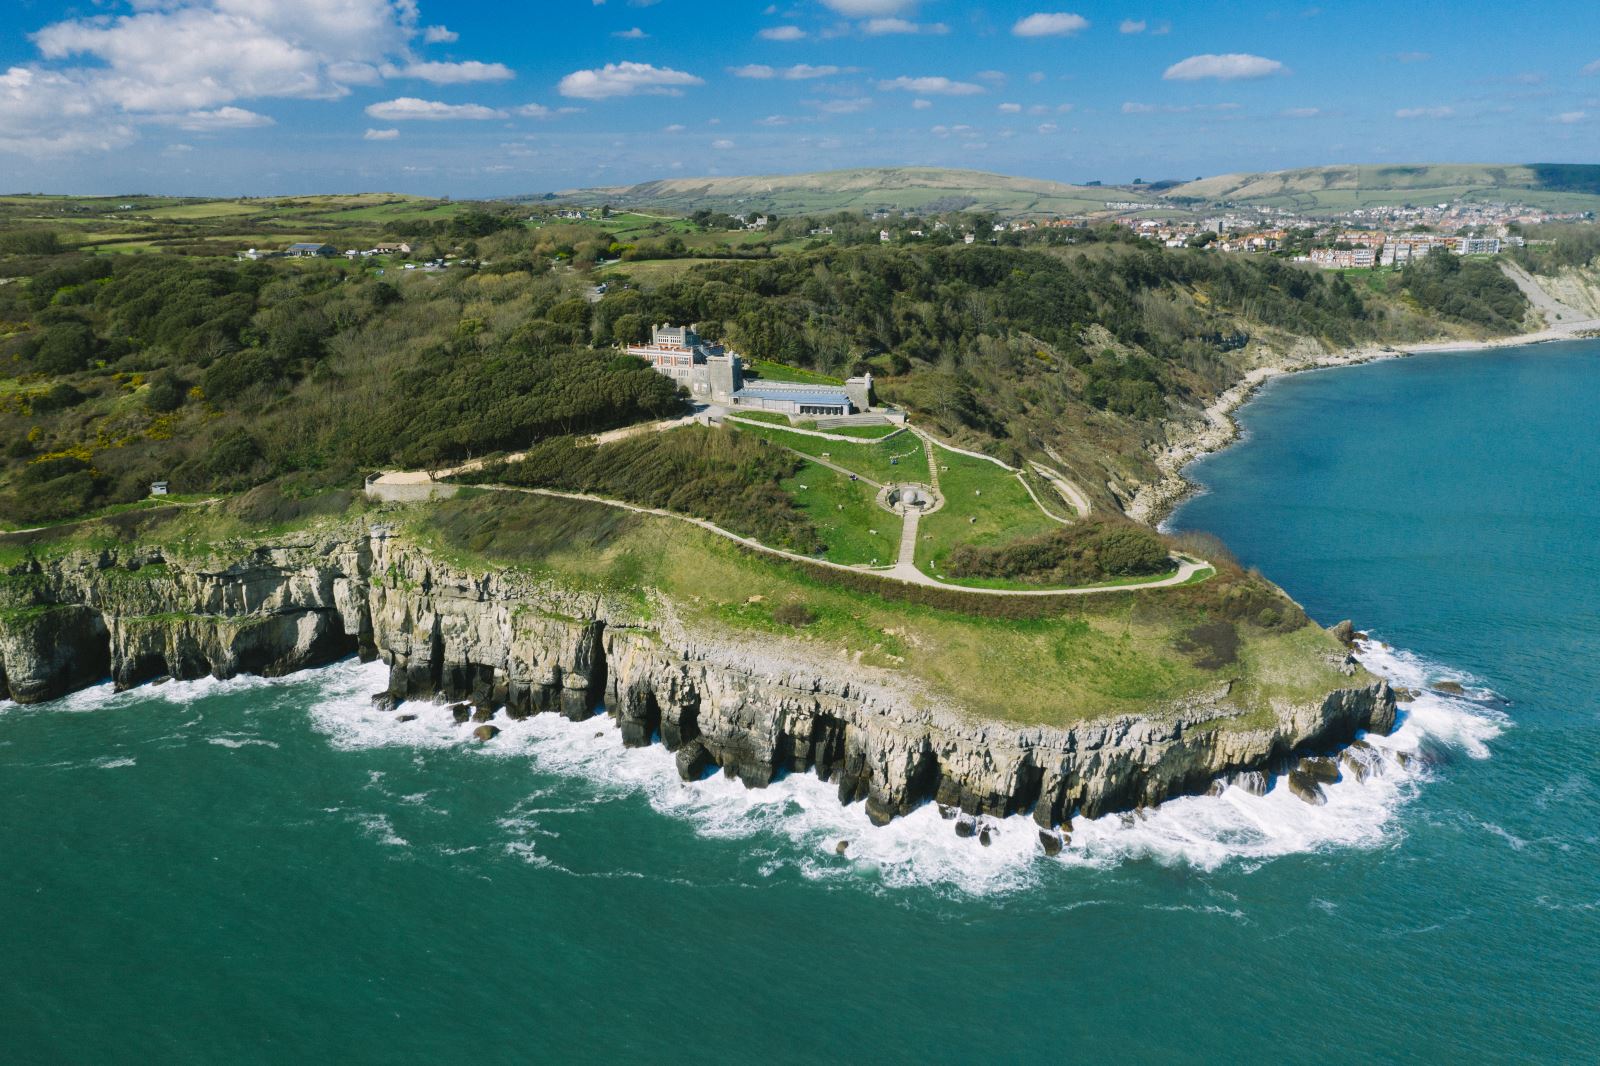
(1203,832)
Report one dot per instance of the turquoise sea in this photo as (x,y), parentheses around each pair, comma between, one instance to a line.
(266,871)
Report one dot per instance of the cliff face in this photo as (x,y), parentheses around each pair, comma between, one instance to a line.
(511,644)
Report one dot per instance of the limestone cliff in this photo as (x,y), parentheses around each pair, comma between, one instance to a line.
(515,645)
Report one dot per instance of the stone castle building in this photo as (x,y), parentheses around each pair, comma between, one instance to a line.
(712,374)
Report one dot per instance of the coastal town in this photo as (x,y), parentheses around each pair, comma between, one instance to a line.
(1361,238)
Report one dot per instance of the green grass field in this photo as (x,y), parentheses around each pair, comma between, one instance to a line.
(984,504)
(898,459)
(855,529)
(1088,660)
(767,370)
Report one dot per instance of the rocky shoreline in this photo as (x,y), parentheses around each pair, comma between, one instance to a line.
(498,643)
(1214,429)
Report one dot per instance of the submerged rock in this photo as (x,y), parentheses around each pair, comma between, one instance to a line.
(966,827)
(461,712)
(1050,842)
(384,702)
(486,732)
(1449,688)
(1361,760)
(406,718)
(841,847)
(1306,787)
(984,837)
(1319,768)
(482,714)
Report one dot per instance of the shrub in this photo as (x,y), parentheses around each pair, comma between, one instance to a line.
(731,479)
(166,393)
(1087,551)
(797,615)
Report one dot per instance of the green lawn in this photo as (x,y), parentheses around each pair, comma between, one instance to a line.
(855,529)
(898,459)
(206,209)
(983,504)
(770,371)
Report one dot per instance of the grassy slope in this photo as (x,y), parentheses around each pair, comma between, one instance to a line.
(892,188)
(1114,655)
(1086,658)
(1341,188)
(249,222)
(983,505)
(855,529)
(900,458)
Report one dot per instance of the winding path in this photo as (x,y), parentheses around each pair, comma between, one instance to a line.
(419,485)
(902,572)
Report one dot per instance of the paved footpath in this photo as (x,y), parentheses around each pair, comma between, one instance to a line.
(905,569)
(902,572)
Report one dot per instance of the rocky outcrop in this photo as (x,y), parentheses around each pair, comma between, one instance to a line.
(499,641)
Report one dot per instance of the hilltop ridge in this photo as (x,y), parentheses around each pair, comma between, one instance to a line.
(1556,186)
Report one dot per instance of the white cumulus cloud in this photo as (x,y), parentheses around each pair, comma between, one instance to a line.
(798,72)
(886,27)
(625,79)
(782,33)
(1050,24)
(1425,112)
(868,8)
(931,86)
(222,118)
(1230,67)
(1133,26)
(407,108)
(99,77)
(451,73)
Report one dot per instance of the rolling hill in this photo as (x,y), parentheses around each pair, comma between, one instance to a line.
(1557,186)
(1329,189)
(874,188)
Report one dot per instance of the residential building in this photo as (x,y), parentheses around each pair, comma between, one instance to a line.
(308,250)
(1344,258)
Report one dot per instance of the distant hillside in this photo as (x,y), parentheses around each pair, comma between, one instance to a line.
(887,188)
(1558,186)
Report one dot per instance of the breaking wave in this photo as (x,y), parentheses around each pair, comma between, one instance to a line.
(824,841)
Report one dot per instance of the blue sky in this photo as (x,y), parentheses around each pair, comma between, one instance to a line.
(489,98)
